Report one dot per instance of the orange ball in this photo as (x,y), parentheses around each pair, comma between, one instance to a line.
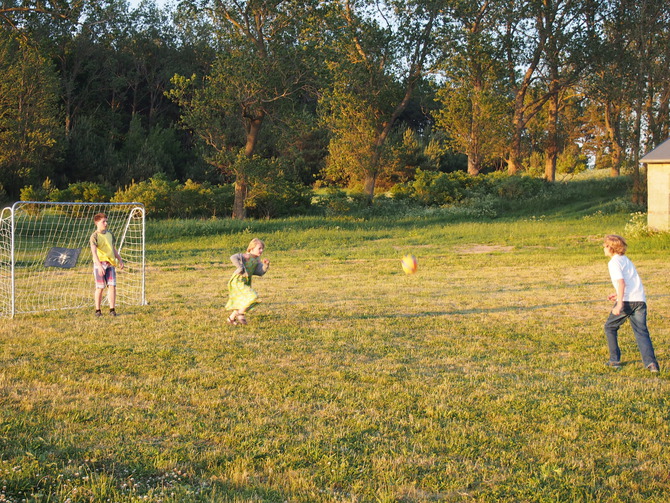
(409,264)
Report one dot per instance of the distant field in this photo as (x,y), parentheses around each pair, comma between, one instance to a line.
(480,378)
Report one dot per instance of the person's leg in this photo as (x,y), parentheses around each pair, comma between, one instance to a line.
(98,298)
(241,317)
(100,284)
(638,321)
(612,333)
(111,296)
(110,279)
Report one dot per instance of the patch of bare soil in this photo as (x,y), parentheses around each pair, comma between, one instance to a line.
(477,248)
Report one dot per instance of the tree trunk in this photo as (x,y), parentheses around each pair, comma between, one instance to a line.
(551,152)
(369,184)
(612,128)
(241,183)
(514,157)
(473,152)
(241,189)
(473,149)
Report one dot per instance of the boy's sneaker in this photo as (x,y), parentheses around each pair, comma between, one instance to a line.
(112,312)
(653,367)
(614,365)
(98,313)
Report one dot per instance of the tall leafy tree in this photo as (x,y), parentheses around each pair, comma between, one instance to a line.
(382,50)
(29,124)
(474,109)
(568,27)
(628,89)
(15,13)
(607,93)
(260,63)
(523,38)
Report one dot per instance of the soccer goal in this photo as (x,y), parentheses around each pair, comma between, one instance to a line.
(45,255)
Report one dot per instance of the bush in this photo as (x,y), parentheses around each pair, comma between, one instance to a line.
(432,188)
(170,199)
(156,194)
(335,201)
(518,187)
(272,190)
(82,192)
(279,198)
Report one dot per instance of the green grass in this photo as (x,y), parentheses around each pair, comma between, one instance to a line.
(480,378)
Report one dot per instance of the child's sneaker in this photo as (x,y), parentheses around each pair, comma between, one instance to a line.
(112,312)
(653,367)
(98,313)
(614,365)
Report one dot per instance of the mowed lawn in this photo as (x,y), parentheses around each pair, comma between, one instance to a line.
(480,378)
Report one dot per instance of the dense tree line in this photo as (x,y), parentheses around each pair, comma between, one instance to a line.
(355,93)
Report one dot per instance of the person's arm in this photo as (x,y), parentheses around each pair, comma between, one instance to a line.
(262,267)
(94,253)
(620,287)
(118,258)
(238,262)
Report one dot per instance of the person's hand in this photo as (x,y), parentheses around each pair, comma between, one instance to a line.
(611,296)
(100,269)
(120,264)
(616,310)
(266,262)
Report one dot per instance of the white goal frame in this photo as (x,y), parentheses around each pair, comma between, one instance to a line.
(45,255)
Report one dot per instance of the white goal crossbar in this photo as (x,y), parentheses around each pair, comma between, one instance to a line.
(45,256)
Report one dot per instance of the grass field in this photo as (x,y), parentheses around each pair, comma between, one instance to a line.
(480,378)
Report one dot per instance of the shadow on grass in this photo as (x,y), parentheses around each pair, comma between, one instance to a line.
(501,309)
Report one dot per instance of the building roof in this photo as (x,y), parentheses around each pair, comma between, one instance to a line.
(660,154)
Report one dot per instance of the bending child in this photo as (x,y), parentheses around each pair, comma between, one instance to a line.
(630,304)
(242,297)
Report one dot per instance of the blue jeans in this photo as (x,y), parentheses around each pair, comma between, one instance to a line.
(636,312)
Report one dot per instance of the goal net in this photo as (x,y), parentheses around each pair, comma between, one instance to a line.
(45,255)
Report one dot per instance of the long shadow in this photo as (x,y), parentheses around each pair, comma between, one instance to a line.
(501,309)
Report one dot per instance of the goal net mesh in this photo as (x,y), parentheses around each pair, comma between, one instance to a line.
(45,255)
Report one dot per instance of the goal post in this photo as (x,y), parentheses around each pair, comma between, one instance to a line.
(45,255)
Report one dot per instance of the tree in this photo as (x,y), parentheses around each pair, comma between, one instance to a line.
(29,125)
(473,109)
(629,84)
(13,13)
(523,39)
(379,57)
(568,28)
(260,62)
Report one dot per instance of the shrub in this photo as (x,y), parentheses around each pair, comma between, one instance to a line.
(191,200)
(278,198)
(82,192)
(518,187)
(222,199)
(167,199)
(335,201)
(436,189)
(156,194)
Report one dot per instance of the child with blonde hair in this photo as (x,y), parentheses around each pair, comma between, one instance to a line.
(242,297)
(630,304)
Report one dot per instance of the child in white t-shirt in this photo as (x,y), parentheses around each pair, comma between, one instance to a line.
(631,304)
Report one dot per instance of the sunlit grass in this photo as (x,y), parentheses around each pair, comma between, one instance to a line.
(480,378)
